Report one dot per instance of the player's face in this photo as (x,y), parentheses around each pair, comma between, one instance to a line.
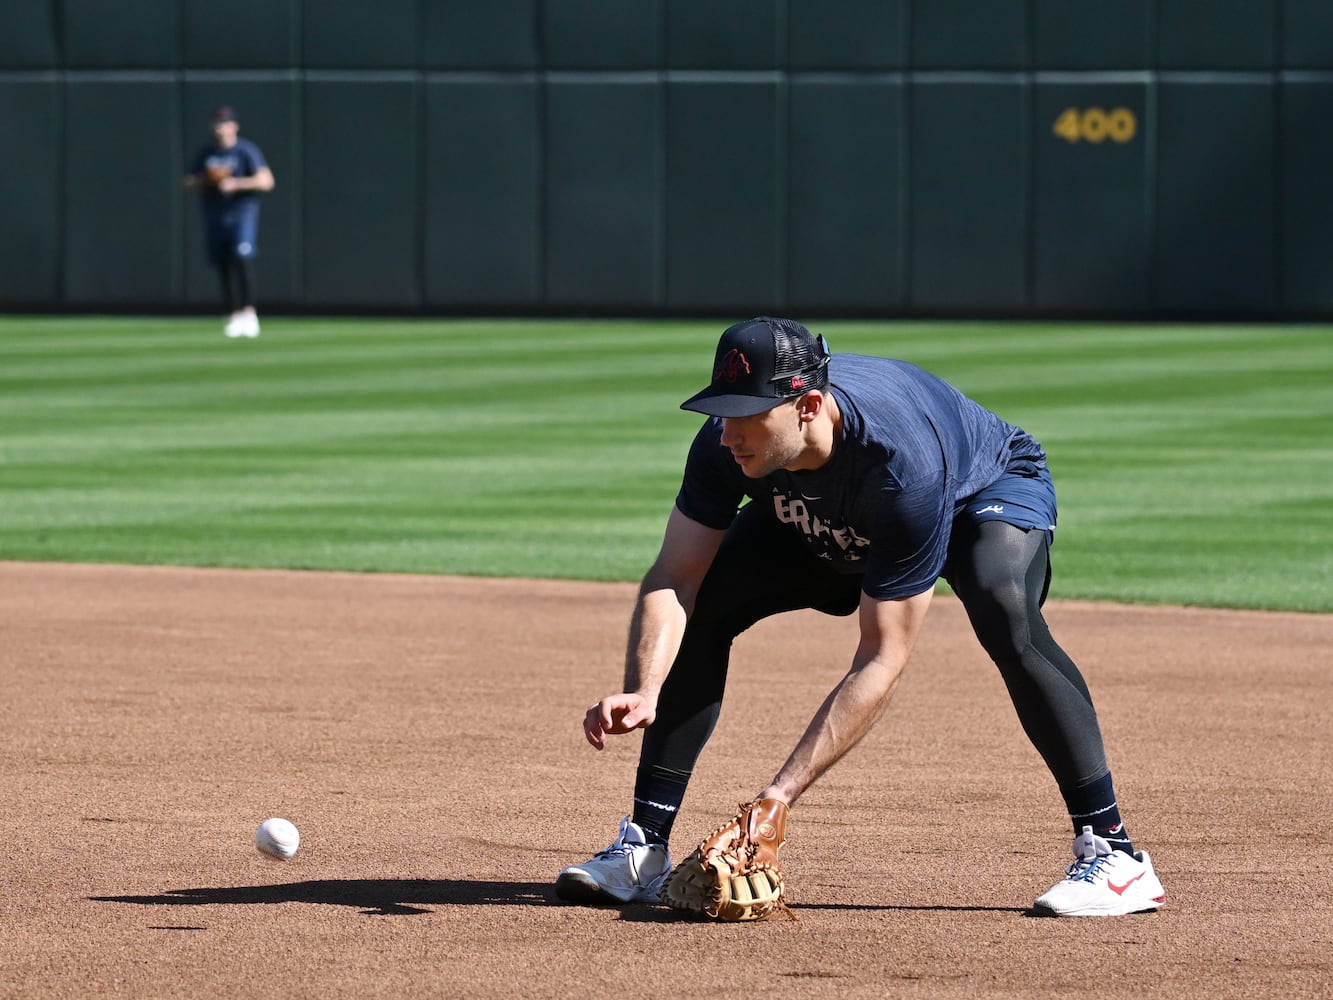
(765,442)
(224,134)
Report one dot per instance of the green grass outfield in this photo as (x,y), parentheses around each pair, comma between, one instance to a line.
(1194,464)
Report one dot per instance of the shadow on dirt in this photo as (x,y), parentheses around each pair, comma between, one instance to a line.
(403,897)
(374,897)
(662,915)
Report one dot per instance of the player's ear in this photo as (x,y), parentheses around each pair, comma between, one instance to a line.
(809,405)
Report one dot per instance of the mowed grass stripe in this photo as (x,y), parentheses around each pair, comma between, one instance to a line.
(1192,462)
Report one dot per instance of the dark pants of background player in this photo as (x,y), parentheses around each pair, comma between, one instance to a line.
(999,571)
(230,242)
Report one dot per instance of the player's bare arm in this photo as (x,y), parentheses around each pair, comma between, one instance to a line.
(261,180)
(666,599)
(889,630)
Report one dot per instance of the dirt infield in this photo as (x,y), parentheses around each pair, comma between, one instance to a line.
(423,733)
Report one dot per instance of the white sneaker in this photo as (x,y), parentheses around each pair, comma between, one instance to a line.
(631,870)
(1103,882)
(235,325)
(249,323)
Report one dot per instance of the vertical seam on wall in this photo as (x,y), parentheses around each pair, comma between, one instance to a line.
(1028,150)
(782,158)
(296,18)
(62,140)
(1277,259)
(177,141)
(1151,143)
(905,186)
(1148,131)
(661,282)
(543,153)
(419,97)
(177,214)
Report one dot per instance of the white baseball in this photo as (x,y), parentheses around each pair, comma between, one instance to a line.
(278,838)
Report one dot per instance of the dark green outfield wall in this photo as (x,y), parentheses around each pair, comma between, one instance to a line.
(881,157)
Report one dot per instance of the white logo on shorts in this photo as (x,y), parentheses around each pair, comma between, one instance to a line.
(994,508)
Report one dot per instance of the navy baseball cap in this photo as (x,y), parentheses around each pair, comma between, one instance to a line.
(758,364)
(222,114)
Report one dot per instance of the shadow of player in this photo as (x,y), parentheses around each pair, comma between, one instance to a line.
(373,897)
(403,897)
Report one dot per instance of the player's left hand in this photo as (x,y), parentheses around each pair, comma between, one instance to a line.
(616,715)
(229,184)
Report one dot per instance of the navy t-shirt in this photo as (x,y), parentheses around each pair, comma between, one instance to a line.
(242,160)
(913,449)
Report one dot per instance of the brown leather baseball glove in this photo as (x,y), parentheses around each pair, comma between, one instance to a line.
(734,873)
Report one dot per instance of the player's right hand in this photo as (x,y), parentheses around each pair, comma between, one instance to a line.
(616,715)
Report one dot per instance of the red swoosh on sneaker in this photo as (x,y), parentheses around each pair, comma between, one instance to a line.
(1119,890)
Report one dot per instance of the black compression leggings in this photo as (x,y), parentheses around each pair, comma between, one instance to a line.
(998,571)
(237,277)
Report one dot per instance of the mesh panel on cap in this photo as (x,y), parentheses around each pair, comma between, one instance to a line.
(797,352)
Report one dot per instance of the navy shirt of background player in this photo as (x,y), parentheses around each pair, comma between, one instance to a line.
(231,219)
(914,451)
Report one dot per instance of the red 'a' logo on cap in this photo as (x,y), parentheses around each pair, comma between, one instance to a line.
(732,367)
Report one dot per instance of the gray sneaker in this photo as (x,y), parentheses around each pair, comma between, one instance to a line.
(631,870)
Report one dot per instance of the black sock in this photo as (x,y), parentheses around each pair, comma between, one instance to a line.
(658,792)
(1094,805)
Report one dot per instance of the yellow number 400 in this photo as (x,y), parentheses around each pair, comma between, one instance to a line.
(1096,125)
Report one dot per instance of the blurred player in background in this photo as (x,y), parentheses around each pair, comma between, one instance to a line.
(230,173)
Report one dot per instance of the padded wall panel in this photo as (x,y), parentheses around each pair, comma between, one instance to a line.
(1092,34)
(465,34)
(126,34)
(602,34)
(30,192)
(1307,196)
(481,209)
(846,201)
(360,191)
(1307,34)
(1216,34)
(210,39)
(967,35)
(603,194)
(122,192)
(723,35)
(969,196)
(28,36)
(1091,224)
(354,34)
(847,34)
(1216,197)
(723,190)
(267,110)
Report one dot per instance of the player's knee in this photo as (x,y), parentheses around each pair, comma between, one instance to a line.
(1001,616)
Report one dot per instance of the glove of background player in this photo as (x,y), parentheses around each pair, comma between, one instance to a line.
(734,873)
